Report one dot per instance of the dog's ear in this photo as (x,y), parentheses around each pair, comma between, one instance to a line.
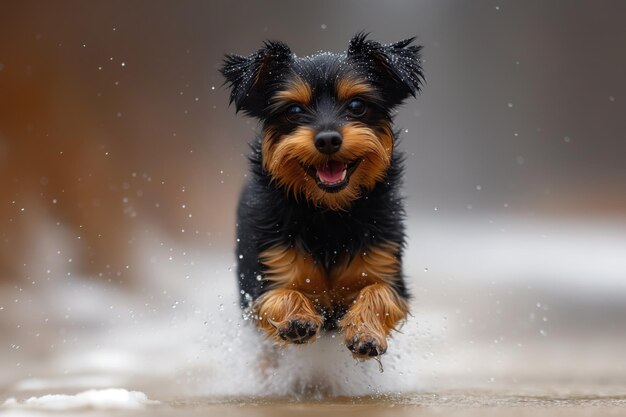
(251,77)
(397,67)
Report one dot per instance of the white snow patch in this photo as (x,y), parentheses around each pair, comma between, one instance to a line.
(105,399)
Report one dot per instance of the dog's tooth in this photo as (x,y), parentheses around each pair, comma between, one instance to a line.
(343,174)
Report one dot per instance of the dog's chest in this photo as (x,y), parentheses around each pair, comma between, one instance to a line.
(334,284)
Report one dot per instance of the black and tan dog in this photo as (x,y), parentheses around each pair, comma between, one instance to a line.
(320,220)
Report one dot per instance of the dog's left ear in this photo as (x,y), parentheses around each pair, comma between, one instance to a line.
(398,66)
(251,77)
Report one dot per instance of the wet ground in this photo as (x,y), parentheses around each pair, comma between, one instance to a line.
(448,403)
(461,403)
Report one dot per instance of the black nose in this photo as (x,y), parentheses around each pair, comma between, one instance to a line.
(328,142)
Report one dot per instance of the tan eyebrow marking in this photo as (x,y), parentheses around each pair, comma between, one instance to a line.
(297,91)
(349,87)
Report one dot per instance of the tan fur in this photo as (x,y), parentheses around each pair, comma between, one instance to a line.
(376,311)
(276,308)
(290,268)
(348,88)
(376,264)
(296,91)
(285,158)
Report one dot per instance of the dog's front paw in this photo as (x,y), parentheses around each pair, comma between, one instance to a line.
(288,316)
(366,346)
(373,315)
(298,330)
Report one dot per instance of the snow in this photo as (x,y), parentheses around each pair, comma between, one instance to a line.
(104,399)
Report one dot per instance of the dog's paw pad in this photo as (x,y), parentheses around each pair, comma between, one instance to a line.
(298,330)
(366,347)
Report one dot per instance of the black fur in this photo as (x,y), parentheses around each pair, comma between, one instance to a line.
(267,215)
(254,77)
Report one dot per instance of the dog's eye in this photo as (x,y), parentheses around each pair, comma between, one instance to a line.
(294,113)
(356,108)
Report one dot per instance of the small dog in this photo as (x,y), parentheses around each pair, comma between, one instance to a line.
(320,231)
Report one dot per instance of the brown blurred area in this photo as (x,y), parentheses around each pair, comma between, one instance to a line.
(106,128)
(114,126)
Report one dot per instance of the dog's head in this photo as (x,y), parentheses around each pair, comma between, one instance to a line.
(327,131)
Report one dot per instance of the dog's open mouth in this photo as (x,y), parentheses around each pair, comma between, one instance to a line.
(332,176)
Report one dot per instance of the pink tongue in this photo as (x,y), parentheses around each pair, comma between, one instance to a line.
(331,172)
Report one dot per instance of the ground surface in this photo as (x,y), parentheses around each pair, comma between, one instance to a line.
(453,403)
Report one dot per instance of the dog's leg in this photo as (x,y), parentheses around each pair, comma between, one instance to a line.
(288,316)
(377,310)
(285,312)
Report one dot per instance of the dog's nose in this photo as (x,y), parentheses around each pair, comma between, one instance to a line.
(328,141)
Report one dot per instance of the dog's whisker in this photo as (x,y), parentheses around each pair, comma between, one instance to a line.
(380,364)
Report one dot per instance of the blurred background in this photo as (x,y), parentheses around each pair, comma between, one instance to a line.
(121,163)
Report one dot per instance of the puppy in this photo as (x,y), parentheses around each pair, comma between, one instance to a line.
(320,231)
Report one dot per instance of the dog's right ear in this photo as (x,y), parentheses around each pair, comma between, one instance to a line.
(252,78)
